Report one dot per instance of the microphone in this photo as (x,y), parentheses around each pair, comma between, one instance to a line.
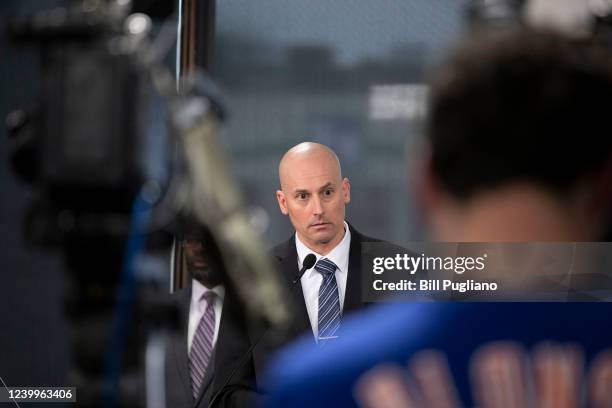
(308,263)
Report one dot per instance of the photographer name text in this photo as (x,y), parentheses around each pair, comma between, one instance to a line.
(412,264)
(434,285)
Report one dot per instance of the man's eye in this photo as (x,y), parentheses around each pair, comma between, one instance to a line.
(328,192)
(302,196)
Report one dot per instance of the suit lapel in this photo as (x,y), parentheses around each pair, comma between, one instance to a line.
(352,296)
(181,355)
(287,258)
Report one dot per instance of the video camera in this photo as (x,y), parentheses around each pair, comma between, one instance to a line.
(116,148)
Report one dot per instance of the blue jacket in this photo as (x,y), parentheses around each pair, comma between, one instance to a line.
(302,376)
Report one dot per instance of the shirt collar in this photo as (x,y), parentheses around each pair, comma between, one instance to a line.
(338,255)
(197,290)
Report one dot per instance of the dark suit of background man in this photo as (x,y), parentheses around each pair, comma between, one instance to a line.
(313,195)
(199,358)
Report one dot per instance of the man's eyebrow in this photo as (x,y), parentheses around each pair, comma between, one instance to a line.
(326,186)
(305,191)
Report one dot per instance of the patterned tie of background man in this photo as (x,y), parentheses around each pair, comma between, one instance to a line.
(202,346)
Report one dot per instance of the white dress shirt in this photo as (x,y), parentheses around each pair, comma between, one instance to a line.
(311,280)
(198,306)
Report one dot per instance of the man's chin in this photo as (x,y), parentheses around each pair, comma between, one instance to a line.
(322,238)
(199,273)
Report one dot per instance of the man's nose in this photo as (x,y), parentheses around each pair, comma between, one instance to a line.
(317,206)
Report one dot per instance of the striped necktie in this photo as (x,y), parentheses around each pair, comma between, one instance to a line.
(202,344)
(329,302)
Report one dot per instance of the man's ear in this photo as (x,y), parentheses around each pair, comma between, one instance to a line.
(282,202)
(346,190)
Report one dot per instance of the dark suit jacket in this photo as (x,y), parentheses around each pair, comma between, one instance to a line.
(246,387)
(228,349)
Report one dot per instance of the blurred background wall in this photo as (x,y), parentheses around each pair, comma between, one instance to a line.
(347,74)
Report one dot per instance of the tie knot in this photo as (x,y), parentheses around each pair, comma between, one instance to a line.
(208,296)
(325,267)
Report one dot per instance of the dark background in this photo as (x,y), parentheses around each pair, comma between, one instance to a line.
(33,331)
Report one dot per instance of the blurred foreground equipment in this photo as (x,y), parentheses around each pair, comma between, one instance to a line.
(103,159)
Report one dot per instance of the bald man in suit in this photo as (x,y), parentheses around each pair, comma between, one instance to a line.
(313,195)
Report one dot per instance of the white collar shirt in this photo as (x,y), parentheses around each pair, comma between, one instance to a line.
(197,307)
(311,280)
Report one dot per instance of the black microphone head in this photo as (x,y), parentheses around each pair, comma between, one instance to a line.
(309,261)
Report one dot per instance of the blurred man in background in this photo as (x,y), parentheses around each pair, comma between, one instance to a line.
(201,356)
(516,131)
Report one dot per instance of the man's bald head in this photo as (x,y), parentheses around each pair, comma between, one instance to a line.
(317,153)
(313,195)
